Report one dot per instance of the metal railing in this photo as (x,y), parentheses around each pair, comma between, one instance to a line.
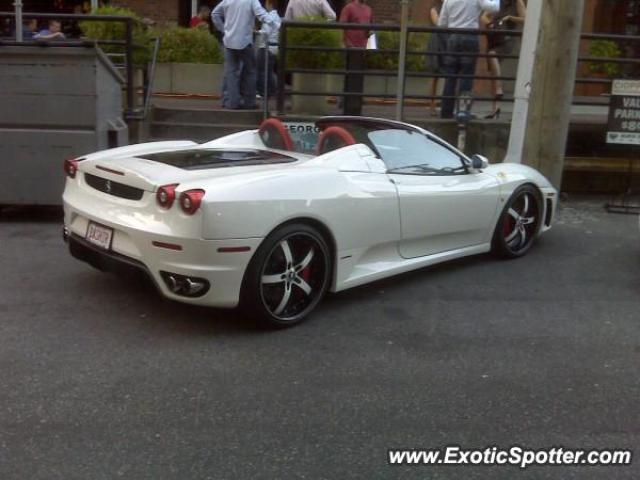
(150,75)
(286,48)
(128,45)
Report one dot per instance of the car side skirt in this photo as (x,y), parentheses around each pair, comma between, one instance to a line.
(377,268)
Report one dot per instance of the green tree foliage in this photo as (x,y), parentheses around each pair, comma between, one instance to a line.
(605,48)
(314,37)
(177,44)
(380,60)
(187,45)
(97,30)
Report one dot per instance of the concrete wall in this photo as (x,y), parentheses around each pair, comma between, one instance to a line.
(55,103)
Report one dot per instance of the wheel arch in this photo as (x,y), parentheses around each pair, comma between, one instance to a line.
(512,187)
(507,197)
(529,183)
(324,230)
(541,198)
(537,190)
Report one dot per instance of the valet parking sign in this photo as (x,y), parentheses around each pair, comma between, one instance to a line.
(624,113)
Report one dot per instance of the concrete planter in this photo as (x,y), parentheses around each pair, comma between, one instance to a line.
(162,78)
(375,85)
(309,82)
(335,83)
(412,86)
(188,78)
(418,86)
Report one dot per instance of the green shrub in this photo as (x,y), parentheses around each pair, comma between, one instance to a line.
(188,45)
(314,37)
(96,30)
(391,41)
(605,48)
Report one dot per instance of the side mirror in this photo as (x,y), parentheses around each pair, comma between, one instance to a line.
(479,162)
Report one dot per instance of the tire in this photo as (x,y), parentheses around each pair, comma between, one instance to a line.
(519,223)
(287,277)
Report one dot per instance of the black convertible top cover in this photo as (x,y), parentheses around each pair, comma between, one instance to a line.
(200,159)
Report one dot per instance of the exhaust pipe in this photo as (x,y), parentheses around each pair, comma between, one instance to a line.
(185,286)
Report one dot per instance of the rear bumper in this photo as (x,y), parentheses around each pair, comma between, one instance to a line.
(100,259)
(106,261)
(133,251)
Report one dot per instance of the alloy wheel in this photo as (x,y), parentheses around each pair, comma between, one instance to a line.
(521,222)
(294,276)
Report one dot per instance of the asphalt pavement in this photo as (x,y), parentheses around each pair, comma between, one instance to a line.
(100,378)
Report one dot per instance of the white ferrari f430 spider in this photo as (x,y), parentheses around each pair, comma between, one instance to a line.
(246,221)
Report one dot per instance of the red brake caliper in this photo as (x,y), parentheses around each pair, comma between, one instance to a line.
(306,273)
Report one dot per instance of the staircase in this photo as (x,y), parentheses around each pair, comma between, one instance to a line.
(141,83)
(200,122)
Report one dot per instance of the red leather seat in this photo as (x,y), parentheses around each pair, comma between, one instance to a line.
(333,138)
(275,135)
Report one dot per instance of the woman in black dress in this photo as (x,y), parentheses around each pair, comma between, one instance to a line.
(437,44)
(510,17)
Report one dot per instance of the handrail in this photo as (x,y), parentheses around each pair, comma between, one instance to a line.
(72,16)
(285,47)
(151,75)
(389,27)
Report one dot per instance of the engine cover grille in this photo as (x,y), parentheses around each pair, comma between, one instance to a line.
(113,188)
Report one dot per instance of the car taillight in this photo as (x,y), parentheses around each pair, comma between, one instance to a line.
(190,201)
(71,167)
(166,195)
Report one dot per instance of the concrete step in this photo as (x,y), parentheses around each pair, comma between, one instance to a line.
(249,118)
(198,132)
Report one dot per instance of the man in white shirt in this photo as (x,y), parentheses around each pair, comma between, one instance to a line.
(300,9)
(461,14)
(236,18)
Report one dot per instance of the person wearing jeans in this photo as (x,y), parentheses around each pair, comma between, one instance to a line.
(240,78)
(268,45)
(236,19)
(461,14)
(458,65)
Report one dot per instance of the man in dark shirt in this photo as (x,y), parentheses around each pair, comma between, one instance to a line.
(29,28)
(355,12)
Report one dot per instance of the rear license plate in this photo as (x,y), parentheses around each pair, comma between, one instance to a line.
(99,235)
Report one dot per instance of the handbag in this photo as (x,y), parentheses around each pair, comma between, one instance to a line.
(372,42)
(497,38)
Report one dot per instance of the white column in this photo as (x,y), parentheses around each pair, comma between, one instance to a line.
(94,5)
(18,6)
(194,8)
(404,21)
(523,81)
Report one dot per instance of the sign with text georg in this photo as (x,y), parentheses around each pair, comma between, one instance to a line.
(304,135)
(624,113)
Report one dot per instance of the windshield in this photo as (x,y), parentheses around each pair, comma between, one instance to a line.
(406,151)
